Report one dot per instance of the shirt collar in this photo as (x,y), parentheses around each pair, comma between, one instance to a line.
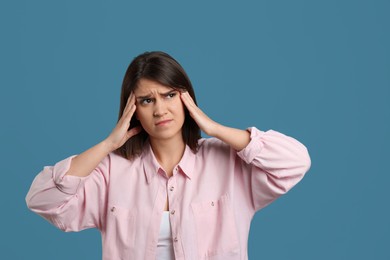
(187,162)
(151,165)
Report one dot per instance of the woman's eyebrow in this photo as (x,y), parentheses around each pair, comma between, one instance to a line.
(161,94)
(168,92)
(144,97)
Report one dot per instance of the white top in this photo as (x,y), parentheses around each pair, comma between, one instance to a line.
(164,245)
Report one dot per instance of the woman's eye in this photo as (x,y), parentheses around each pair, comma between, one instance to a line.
(146,101)
(171,95)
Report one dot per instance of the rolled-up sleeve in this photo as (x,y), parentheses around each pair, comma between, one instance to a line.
(276,163)
(69,202)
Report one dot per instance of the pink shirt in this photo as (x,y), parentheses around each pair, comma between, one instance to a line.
(213,195)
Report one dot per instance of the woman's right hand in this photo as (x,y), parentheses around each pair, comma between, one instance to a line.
(120,134)
(83,164)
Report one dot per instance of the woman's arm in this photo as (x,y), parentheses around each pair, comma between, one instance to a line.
(72,193)
(271,162)
(83,164)
(238,139)
(275,163)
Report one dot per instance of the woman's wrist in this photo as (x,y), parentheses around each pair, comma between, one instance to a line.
(215,129)
(238,139)
(108,146)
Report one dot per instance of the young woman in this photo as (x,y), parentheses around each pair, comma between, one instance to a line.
(154,188)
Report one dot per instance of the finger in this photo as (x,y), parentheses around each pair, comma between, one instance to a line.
(133,131)
(127,102)
(130,101)
(127,115)
(184,98)
(189,102)
(130,105)
(124,121)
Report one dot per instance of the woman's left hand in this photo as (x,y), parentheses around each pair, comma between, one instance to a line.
(207,125)
(236,138)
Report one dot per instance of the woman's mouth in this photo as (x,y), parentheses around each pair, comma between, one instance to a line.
(163,122)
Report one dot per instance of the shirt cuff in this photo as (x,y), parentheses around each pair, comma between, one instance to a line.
(66,183)
(254,147)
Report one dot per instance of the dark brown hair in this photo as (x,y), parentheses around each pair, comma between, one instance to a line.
(162,68)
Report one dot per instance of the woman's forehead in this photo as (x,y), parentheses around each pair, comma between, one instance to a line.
(146,86)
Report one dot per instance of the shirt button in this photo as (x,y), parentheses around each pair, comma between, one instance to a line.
(212,203)
(175,239)
(173,211)
(171,188)
(112,209)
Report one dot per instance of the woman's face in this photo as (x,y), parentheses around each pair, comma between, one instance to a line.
(159,110)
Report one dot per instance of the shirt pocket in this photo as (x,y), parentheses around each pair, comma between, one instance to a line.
(122,227)
(215,226)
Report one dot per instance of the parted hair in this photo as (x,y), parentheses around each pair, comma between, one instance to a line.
(164,69)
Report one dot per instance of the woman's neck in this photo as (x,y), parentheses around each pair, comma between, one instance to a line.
(168,152)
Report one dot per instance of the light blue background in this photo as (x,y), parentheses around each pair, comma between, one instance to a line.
(315,70)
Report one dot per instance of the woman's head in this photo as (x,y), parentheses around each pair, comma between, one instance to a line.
(164,70)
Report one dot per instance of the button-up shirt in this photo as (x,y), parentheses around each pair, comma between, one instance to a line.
(213,195)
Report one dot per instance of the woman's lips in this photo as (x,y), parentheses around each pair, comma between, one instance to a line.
(163,122)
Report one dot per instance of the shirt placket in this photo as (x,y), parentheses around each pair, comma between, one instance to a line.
(174,215)
(157,214)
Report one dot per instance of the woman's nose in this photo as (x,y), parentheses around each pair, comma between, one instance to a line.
(159,109)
